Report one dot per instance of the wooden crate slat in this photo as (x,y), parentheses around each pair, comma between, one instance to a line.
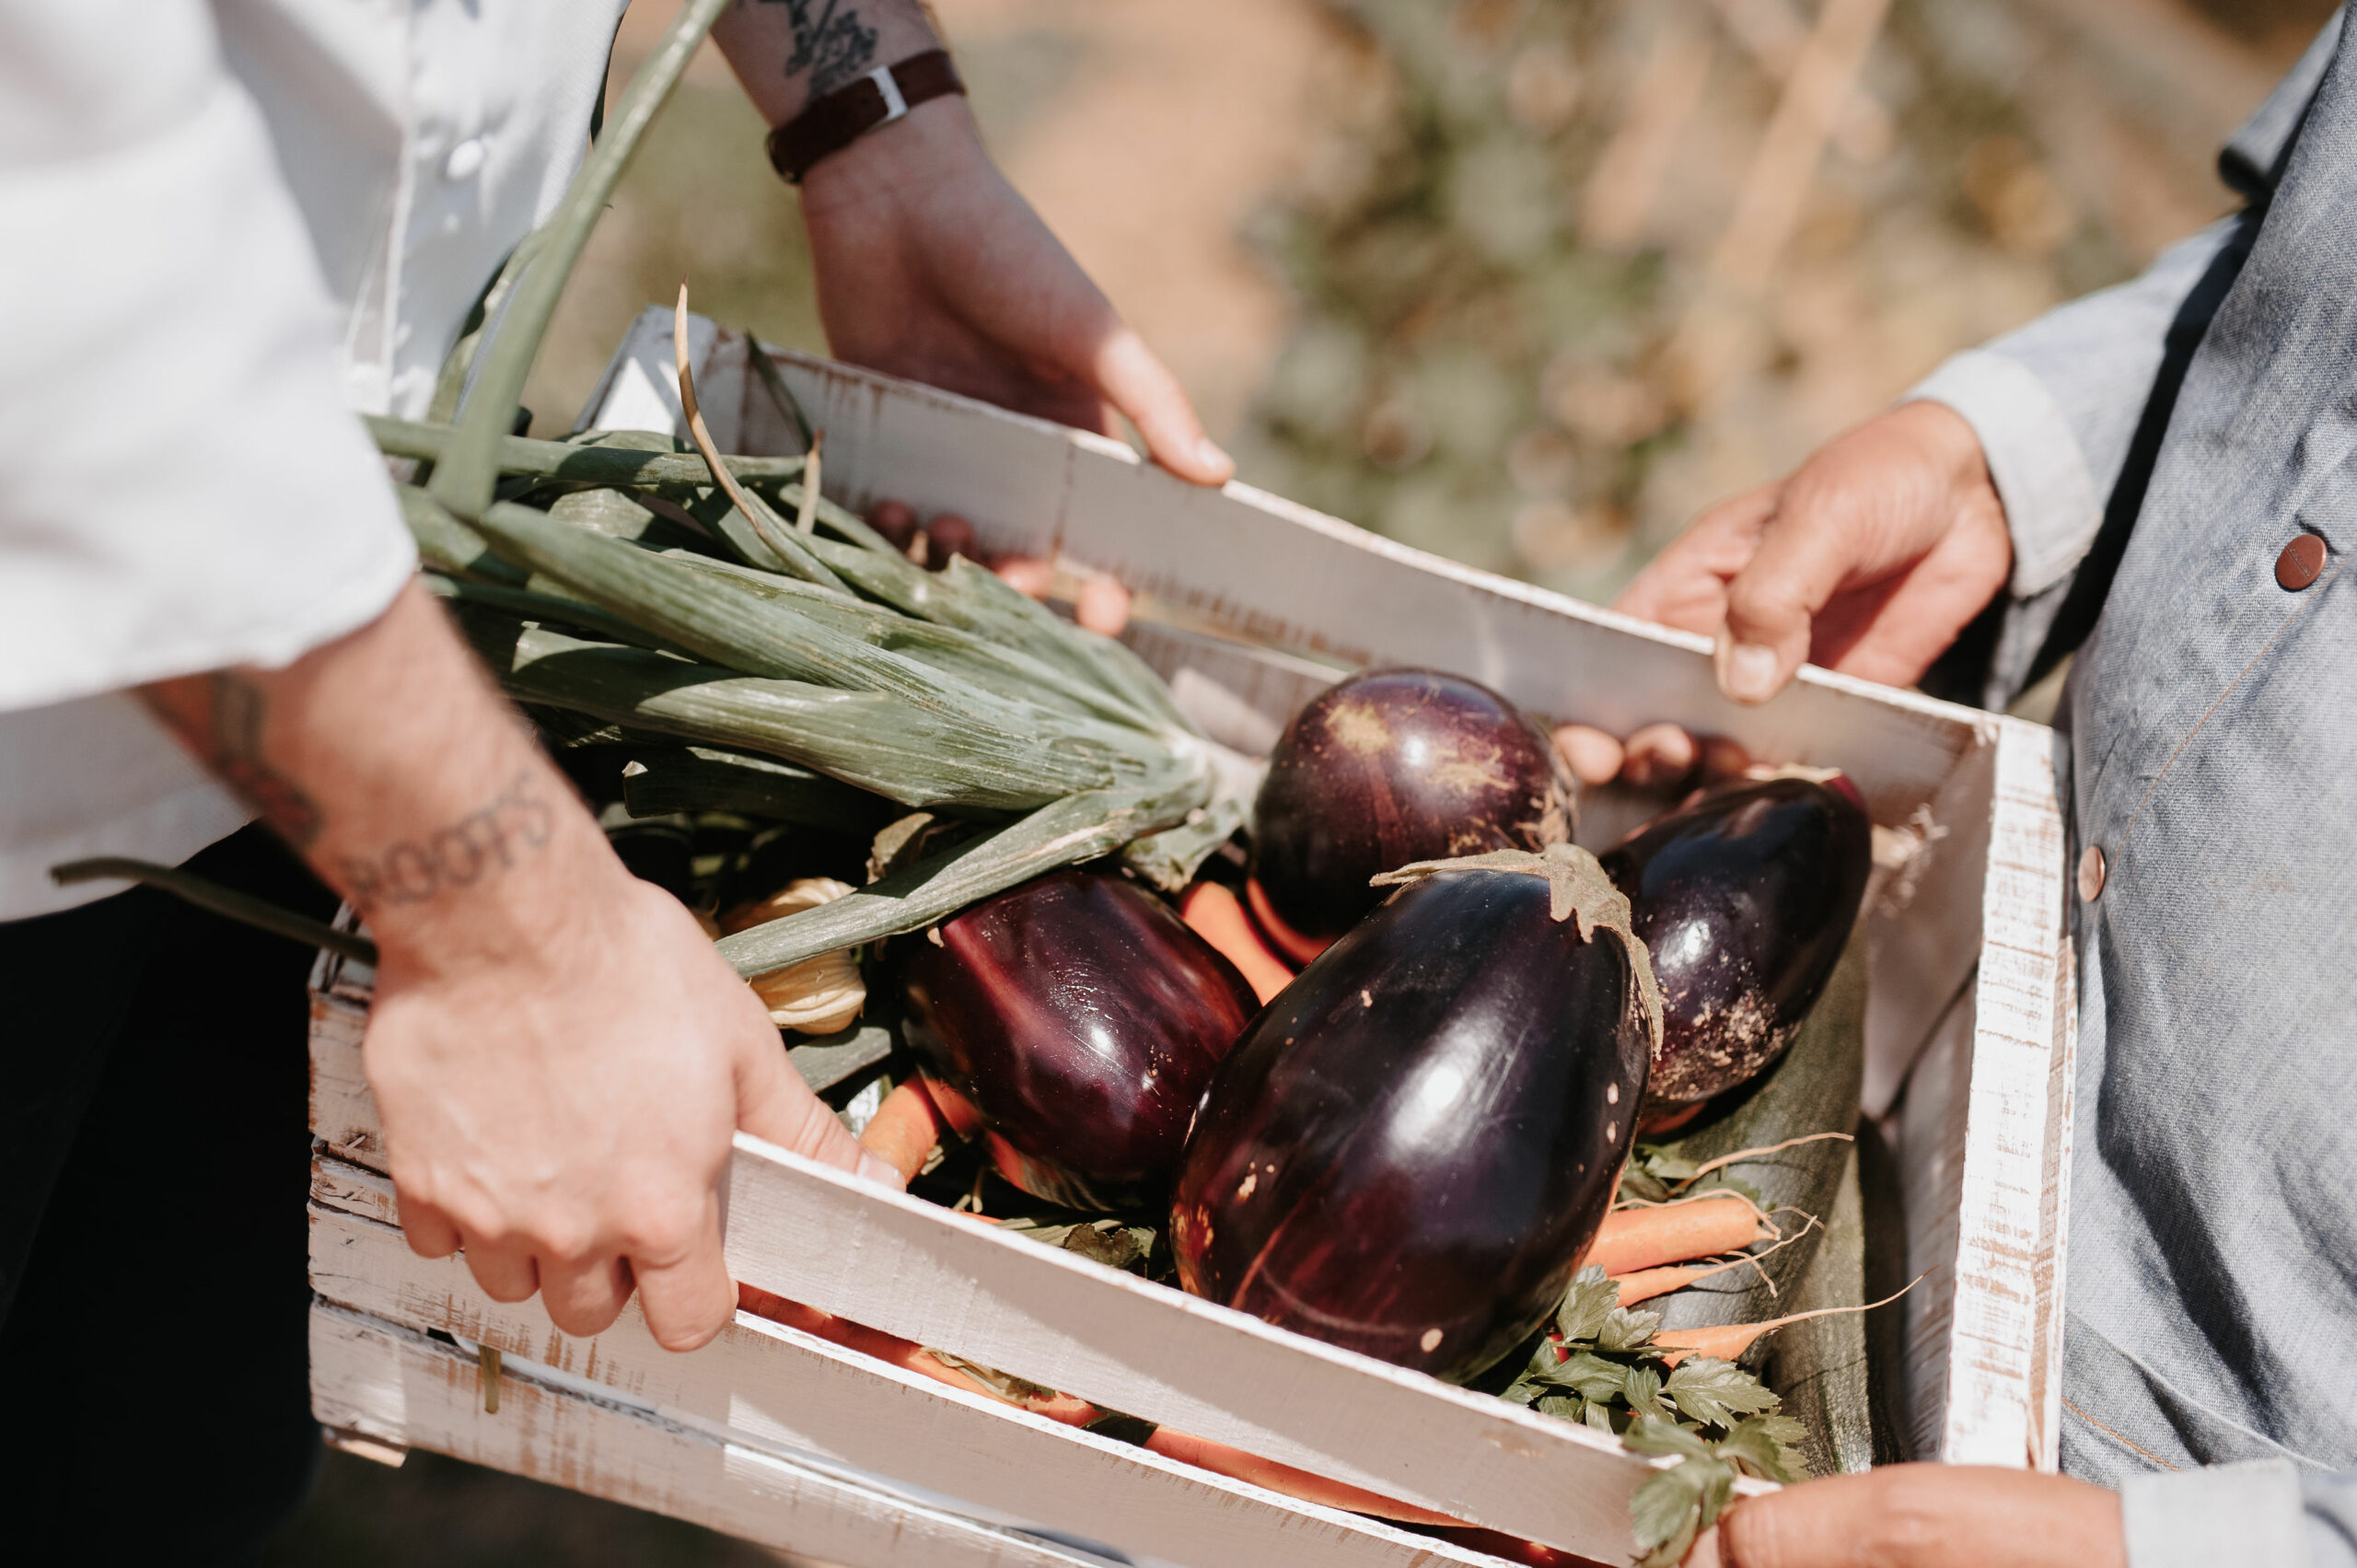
(764,1384)
(814,1235)
(399,1386)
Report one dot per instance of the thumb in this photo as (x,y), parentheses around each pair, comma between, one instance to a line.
(1805,552)
(1128,374)
(773,1103)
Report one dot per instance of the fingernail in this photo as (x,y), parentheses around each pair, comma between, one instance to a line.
(1749,674)
(1208,453)
(879,1172)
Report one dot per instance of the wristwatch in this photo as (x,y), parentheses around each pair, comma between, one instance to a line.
(851,111)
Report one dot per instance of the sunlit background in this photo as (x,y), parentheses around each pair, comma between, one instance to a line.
(1523,282)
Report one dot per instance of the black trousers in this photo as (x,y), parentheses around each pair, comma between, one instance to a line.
(154,1162)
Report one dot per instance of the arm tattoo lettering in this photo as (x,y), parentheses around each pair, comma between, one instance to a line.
(830,42)
(228,738)
(515,824)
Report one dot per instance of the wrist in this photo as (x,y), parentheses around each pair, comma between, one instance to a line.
(785,63)
(522,875)
(894,166)
(1949,444)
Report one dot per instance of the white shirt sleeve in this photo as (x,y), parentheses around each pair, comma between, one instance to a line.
(183,486)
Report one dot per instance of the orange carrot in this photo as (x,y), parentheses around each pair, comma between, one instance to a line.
(905,1129)
(1646,1283)
(1725,1341)
(1237,1465)
(1216,916)
(1670,1119)
(1728,1340)
(1300,949)
(1677,1232)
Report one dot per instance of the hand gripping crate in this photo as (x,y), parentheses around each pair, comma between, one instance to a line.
(1250,605)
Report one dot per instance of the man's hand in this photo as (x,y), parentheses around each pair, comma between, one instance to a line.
(1868,560)
(1922,1516)
(559,1056)
(930,266)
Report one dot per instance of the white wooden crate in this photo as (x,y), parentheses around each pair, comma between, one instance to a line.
(1254,602)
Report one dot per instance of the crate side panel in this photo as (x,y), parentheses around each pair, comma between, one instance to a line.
(2004,1210)
(766,1384)
(1931,1148)
(1923,926)
(1261,568)
(400,1386)
(811,1235)
(343,1113)
(2049,1275)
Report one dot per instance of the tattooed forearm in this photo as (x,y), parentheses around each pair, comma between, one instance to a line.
(513,825)
(830,43)
(219,716)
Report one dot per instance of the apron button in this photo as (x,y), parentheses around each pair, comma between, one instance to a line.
(2301,561)
(2091,872)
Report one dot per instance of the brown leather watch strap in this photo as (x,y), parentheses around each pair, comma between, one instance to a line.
(851,111)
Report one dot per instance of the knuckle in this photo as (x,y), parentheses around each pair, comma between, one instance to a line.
(568,1241)
(663,1233)
(503,1284)
(683,1334)
(580,1319)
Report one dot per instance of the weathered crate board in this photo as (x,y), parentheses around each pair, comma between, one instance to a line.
(1968,958)
(806,1401)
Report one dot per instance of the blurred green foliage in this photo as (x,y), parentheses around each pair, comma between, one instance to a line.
(1480,370)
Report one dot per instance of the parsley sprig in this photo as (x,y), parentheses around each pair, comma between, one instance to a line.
(1598,1365)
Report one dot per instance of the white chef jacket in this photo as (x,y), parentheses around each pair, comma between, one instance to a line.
(223,228)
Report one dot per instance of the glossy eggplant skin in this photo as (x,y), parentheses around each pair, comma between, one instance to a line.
(1409,1151)
(1390,768)
(1743,899)
(1078,1020)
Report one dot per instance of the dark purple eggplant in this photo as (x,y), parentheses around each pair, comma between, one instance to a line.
(1385,769)
(1075,1020)
(1409,1151)
(1744,899)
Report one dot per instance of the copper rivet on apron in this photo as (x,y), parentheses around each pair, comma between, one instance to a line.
(2091,869)
(2298,565)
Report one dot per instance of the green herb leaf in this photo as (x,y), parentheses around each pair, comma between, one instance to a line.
(1765,1445)
(1641,1387)
(1590,1301)
(1673,1505)
(1655,1438)
(1569,1407)
(1642,1184)
(1591,1376)
(1716,1393)
(1624,1329)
